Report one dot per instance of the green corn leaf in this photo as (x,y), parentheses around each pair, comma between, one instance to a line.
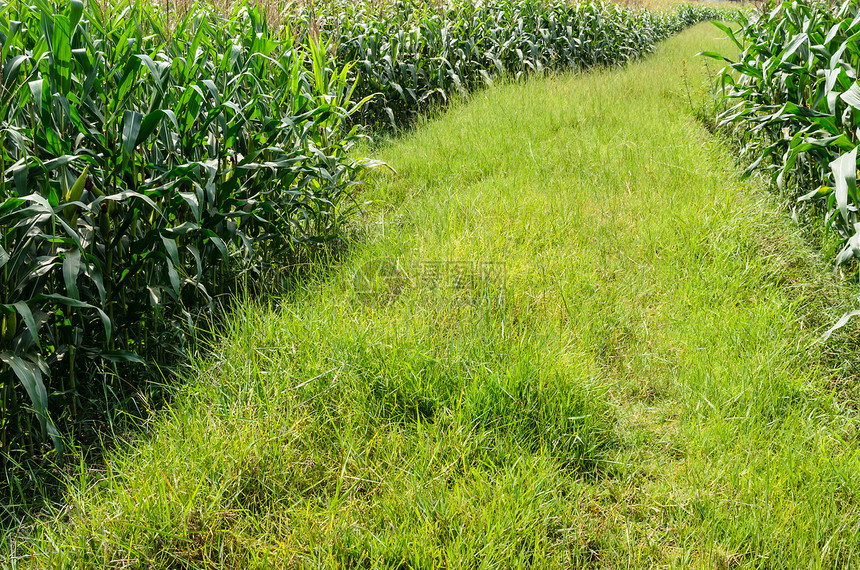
(107,324)
(173,276)
(126,81)
(172,250)
(121,356)
(843,320)
(10,39)
(94,272)
(62,54)
(11,69)
(71,269)
(63,300)
(125,195)
(76,10)
(844,171)
(197,261)
(817,193)
(36,88)
(148,124)
(31,378)
(131,121)
(29,321)
(219,243)
(729,33)
(56,163)
(713,55)
(852,96)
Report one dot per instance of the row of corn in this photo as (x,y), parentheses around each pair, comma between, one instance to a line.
(419,56)
(793,100)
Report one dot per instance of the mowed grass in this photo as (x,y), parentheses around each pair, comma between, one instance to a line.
(644,391)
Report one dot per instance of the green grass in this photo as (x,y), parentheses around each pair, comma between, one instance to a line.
(645,391)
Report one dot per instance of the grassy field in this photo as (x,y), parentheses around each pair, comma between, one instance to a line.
(631,380)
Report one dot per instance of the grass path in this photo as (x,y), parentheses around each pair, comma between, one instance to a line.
(644,392)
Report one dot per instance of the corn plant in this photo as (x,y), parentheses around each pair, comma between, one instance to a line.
(793,99)
(412,56)
(147,170)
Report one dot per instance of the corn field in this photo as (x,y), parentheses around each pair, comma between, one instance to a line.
(156,161)
(793,100)
(410,57)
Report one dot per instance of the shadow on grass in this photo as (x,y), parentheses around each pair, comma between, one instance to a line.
(116,405)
